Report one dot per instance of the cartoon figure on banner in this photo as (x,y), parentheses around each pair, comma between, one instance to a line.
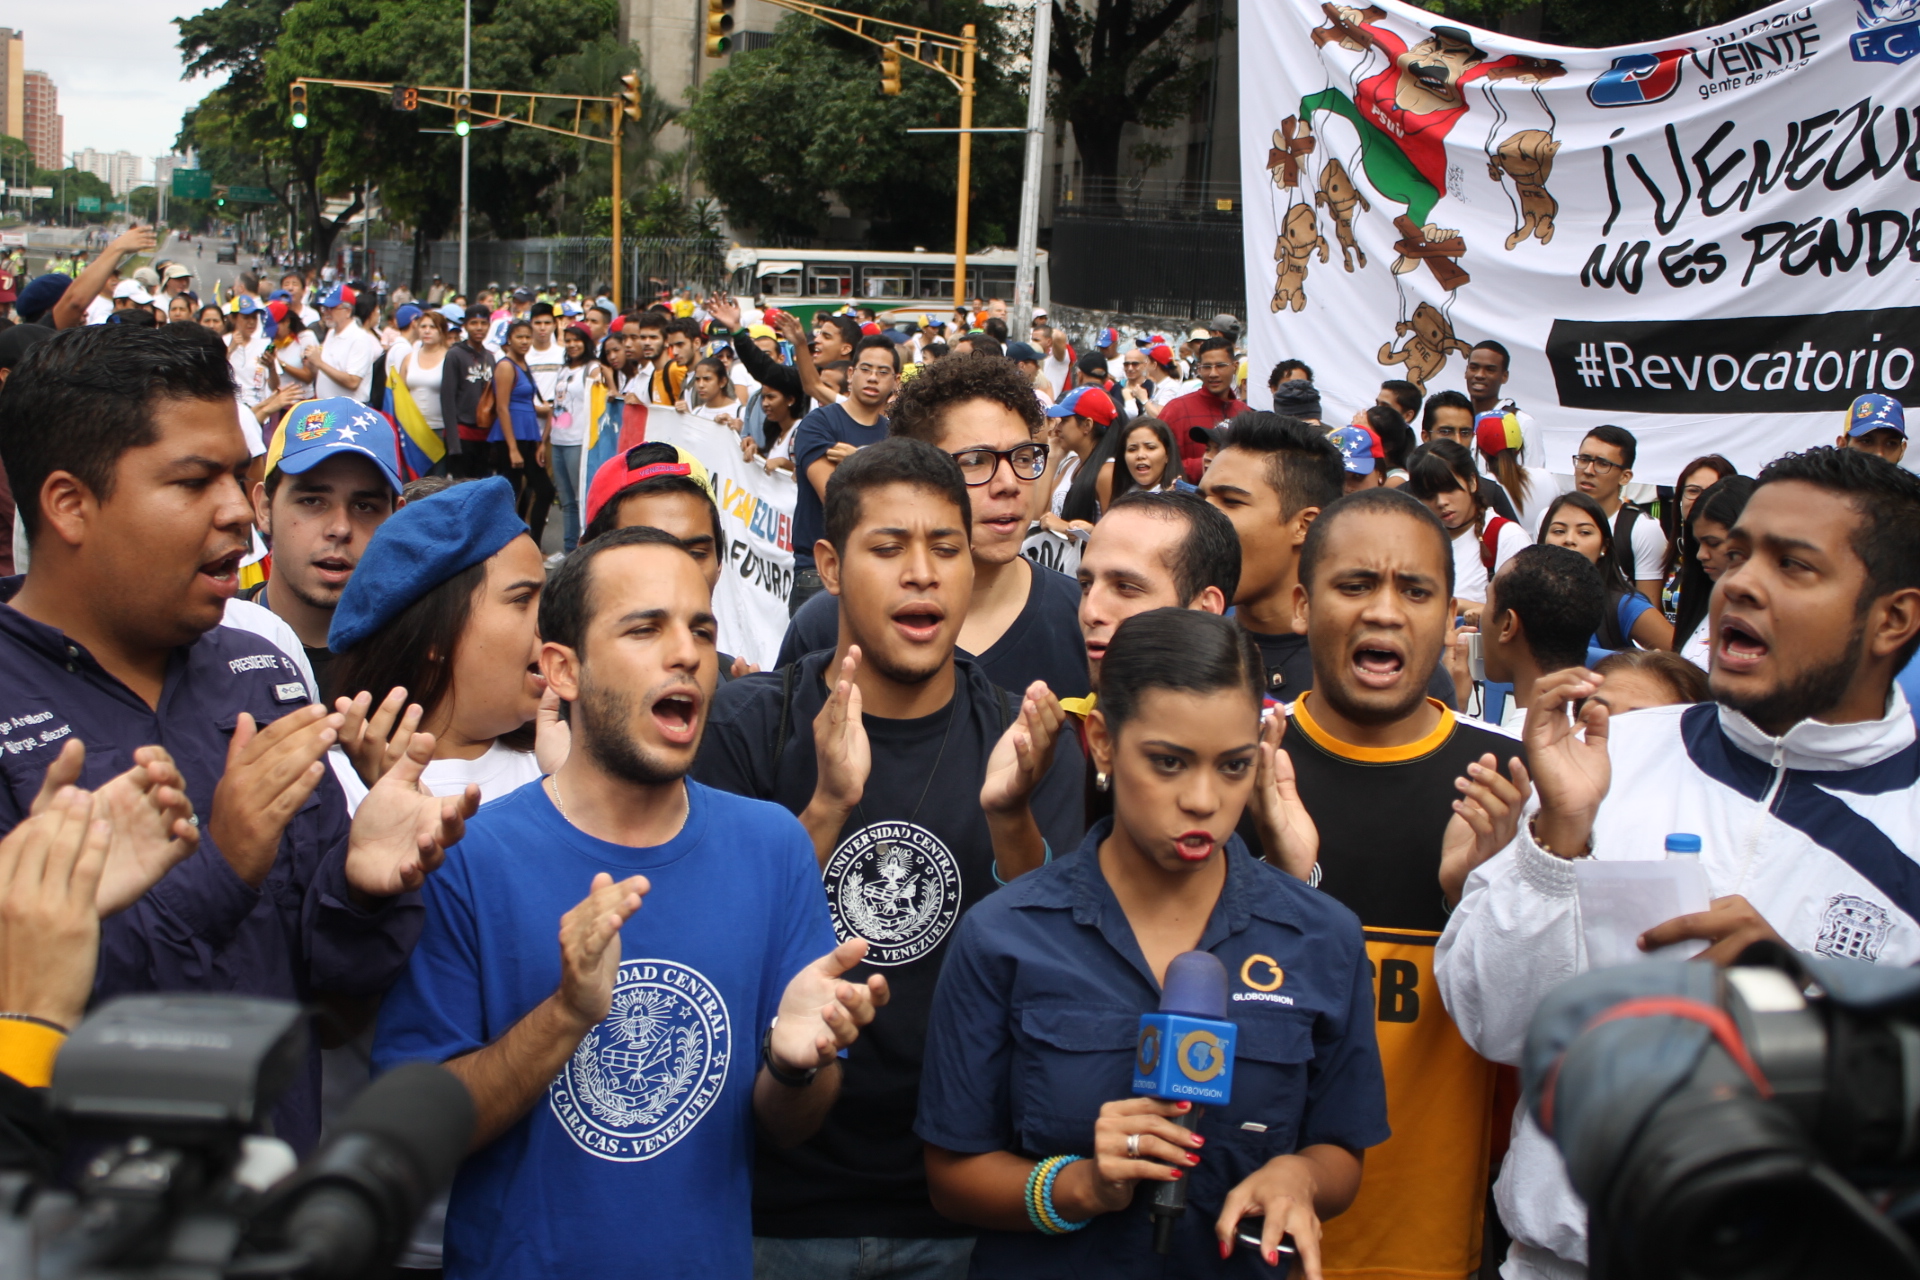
(1429,339)
(1299,237)
(1527,158)
(1339,195)
(1403,115)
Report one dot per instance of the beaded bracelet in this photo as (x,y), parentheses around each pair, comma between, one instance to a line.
(1040,1211)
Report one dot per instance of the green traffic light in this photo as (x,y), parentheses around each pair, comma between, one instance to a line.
(460,127)
(299,119)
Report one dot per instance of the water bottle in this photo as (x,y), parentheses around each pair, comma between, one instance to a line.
(1682,845)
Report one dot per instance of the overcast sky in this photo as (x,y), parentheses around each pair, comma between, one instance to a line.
(117,66)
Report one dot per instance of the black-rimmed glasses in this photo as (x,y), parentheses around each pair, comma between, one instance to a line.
(1026,461)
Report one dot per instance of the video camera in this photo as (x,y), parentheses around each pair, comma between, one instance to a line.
(164,1099)
(1755,1123)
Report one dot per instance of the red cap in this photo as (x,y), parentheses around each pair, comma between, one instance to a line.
(1096,406)
(278,310)
(870,328)
(614,475)
(1160,354)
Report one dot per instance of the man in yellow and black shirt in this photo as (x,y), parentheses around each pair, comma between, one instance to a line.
(1375,760)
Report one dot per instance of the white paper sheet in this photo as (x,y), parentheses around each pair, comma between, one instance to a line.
(1619,901)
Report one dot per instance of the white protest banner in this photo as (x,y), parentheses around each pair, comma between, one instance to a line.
(1053,551)
(756,510)
(1712,241)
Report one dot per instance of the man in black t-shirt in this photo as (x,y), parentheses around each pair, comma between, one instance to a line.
(327,488)
(1374,759)
(1021,624)
(827,437)
(1275,475)
(889,770)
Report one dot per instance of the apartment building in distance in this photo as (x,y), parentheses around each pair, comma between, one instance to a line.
(46,134)
(120,170)
(13,82)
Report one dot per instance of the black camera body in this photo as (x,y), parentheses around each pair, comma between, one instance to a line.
(165,1100)
(1760,1122)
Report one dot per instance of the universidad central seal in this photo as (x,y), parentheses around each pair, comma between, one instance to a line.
(651,1069)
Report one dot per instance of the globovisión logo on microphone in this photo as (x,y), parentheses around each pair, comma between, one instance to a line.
(654,1066)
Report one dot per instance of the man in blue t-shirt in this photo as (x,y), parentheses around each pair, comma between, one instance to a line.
(617,1079)
(827,437)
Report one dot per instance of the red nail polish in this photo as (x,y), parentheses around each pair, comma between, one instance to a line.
(1178,1174)
(1193,1157)
(1226,1250)
(1199,1141)
(1186,1106)
(1273,1257)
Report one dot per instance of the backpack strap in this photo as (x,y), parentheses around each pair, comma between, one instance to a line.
(787,679)
(1623,522)
(1008,709)
(1490,540)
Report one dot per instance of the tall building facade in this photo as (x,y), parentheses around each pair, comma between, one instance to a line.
(120,170)
(13,82)
(46,134)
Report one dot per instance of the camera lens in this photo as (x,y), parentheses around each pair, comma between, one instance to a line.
(1751,1233)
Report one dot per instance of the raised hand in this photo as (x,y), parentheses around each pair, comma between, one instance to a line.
(821,1013)
(840,740)
(723,308)
(152,827)
(1025,751)
(1287,830)
(50,867)
(1571,770)
(270,773)
(400,832)
(590,947)
(1485,820)
(369,735)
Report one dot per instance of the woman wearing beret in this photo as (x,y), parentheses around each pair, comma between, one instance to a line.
(438,622)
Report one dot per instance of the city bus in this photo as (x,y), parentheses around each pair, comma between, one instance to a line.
(916,285)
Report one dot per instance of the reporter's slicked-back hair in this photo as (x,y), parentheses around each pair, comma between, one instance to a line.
(1370,502)
(895,460)
(79,400)
(1886,497)
(1303,466)
(1207,555)
(1560,599)
(1183,650)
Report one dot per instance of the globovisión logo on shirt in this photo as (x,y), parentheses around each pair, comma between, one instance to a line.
(898,886)
(653,1067)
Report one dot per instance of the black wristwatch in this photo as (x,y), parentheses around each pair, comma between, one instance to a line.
(782,1076)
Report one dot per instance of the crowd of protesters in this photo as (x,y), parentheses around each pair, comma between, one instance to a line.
(851,952)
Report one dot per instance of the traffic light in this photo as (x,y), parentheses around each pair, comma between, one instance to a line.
(462,113)
(297,100)
(630,95)
(719,23)
(890,69)
(405,98)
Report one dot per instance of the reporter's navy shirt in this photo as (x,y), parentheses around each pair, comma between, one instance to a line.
(203,928)
(1034,1027)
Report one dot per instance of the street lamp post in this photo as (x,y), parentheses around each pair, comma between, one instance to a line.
(466,83)
(1023,282)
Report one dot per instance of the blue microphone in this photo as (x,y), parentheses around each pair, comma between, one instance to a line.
(1185,1054)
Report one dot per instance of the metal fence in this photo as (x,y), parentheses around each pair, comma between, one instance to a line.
(653,263)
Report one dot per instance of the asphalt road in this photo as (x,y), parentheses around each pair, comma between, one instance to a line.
(200,257)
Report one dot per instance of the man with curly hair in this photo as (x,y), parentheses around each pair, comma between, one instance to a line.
(1022,620)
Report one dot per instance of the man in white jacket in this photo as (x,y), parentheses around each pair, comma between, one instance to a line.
(1800,779)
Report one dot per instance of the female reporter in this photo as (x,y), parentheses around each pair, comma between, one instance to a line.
(1025,1098)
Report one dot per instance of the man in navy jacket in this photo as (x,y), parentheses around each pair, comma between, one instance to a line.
(125,450)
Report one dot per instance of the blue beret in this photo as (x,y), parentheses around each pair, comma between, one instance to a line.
(419,547)
(38,298)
